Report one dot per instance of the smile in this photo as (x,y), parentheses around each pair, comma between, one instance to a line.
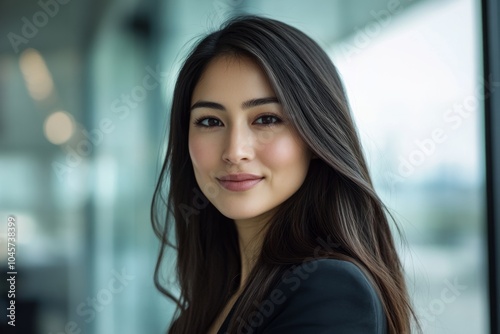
(239,185)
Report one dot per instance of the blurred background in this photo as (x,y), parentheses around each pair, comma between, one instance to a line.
(84,93)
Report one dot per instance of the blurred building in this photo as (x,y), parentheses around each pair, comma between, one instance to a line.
(84,95)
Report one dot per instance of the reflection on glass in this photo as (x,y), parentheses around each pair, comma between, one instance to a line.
(416,92)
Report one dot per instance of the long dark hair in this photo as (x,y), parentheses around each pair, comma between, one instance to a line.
(336,201)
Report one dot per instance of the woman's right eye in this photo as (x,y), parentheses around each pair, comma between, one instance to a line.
(207,122)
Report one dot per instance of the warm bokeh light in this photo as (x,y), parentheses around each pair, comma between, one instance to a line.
(86,95)
(58,127)
(36,74)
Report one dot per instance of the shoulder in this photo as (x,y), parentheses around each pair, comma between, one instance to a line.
(325,272)
(325,295)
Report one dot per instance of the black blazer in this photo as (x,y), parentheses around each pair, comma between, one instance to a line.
(321,296)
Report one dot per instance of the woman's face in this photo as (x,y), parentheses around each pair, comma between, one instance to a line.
(238,127)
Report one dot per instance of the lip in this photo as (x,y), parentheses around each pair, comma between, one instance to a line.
(239,182)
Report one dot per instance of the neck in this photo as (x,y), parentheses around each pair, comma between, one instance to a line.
(251,233)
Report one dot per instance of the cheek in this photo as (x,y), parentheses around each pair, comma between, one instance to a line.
(285,153)
(202,152)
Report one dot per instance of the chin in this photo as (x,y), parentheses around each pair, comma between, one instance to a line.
(242,213)
(237,215)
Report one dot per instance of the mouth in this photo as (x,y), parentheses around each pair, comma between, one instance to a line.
(239,182)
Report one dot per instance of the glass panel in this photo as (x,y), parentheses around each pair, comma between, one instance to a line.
(412,70)
(415,86)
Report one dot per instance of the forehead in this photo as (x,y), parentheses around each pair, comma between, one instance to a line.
(232,77)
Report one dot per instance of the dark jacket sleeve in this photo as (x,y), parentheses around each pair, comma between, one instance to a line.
(325,296)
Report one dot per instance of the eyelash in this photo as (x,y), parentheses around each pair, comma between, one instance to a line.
(198,121)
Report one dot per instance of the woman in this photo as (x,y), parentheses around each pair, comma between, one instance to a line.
(277,226)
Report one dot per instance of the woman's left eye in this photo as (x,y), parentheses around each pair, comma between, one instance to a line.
(268,120)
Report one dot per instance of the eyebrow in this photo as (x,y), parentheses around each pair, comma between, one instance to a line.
(245,105)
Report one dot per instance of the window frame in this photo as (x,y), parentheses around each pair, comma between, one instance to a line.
(491,69)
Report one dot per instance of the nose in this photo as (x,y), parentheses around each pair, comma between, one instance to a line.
(238,145)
